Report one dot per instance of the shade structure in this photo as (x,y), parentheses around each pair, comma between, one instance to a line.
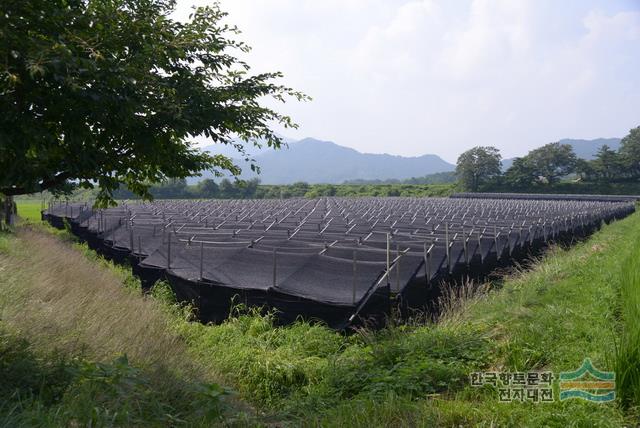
(339,260)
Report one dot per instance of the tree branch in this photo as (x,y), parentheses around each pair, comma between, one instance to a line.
(46,184)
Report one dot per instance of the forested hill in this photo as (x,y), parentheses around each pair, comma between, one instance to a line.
(315,161)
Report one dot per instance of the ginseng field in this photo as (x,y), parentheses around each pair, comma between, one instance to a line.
(339,260)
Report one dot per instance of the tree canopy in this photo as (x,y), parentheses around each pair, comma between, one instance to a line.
(630,152)
(545,166)
(110,92)
(478,166)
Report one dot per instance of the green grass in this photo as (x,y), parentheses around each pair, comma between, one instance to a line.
(576,303)
(550,318)
(29,210)
(627,361)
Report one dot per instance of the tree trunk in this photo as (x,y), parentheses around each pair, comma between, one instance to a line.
(9,211)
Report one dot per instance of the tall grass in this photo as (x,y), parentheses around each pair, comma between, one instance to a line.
(114,358)
(627,359)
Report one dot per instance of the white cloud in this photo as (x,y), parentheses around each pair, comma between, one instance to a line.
(424,76)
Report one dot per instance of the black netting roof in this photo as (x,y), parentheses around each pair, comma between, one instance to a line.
(332,251)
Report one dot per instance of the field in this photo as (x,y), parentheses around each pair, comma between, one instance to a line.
(29,210)
(570,305)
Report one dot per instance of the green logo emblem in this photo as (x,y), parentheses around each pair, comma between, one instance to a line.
(588,383)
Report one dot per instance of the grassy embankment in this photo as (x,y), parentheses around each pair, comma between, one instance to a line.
(577,303)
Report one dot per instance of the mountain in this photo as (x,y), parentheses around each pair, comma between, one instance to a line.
(315,161)
(585,149)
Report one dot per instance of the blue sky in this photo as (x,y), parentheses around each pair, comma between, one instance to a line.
(421,76)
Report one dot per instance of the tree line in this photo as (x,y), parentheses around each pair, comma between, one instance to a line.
(480,168)
(252,189)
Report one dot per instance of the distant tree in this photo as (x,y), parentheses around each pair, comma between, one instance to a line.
(299,189)
(108,92)
(247,189)
(393,191)
(552,161)
(208,188)
(608,164)
(630,153)
(585,169)
(521,174)
(478,166)
(227,189)
(174,188)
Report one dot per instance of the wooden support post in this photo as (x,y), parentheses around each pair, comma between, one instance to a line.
(169,252)
(275,267)
(388,257)
(448,249)
(427,263)
(465,248)
(355,276)
(398,268)
(201,258)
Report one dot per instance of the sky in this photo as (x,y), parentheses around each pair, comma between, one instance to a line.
(410,77)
